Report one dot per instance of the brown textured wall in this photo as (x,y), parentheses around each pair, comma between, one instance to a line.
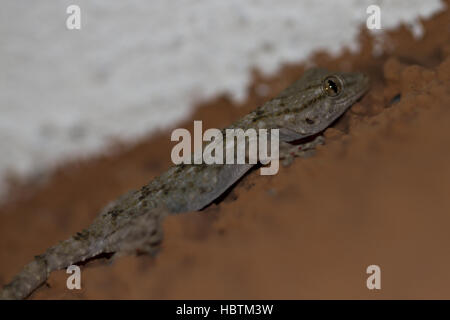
(376,193)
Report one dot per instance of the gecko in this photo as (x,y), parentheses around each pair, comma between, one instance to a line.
(132,223)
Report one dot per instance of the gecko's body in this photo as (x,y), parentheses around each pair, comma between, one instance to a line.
(132,222)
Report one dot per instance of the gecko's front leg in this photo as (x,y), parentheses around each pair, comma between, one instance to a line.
(288,151)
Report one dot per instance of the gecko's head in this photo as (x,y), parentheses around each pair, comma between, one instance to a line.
(321,99)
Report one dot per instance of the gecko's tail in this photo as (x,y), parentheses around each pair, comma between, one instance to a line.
(31,277)
(37,271)
(142,233)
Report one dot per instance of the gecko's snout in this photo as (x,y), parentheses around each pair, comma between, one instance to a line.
(360,84)
(364,81)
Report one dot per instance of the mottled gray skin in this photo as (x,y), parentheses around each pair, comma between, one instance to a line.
(132,223)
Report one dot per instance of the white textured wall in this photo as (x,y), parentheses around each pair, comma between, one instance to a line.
(138,65)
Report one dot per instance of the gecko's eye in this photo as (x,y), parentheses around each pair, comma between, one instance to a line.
(332,86)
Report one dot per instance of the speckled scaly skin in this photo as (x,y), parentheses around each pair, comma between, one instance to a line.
(133,221)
